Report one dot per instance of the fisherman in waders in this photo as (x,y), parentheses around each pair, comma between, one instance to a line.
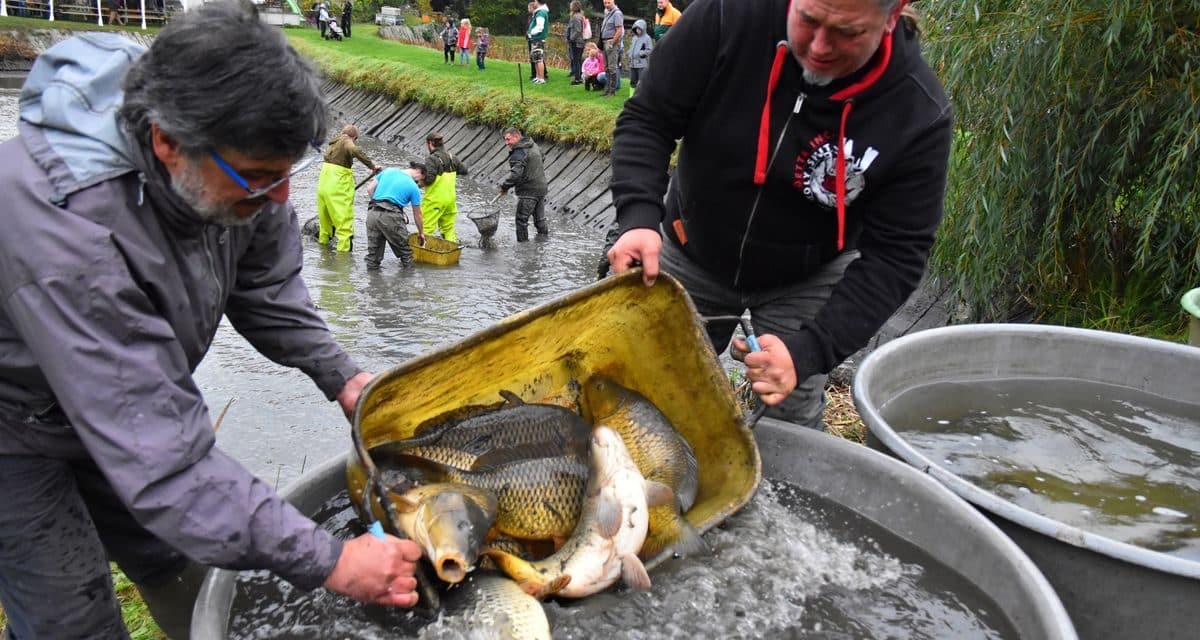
(441,191)
(387,224)
(335,189)
(528,177)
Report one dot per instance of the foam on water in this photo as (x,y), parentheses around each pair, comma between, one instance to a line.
(787,565)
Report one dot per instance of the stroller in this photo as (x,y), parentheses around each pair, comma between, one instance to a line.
(334,31)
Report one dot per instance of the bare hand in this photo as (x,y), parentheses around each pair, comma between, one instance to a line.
(771,371)
(637,246)
(348,396)
(376,570)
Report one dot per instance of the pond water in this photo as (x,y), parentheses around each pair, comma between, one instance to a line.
(1111,460)
(789,565)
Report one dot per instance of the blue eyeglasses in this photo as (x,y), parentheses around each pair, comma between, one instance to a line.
(312,154)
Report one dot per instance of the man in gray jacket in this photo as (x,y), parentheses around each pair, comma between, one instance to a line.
(146,197)
(528,176)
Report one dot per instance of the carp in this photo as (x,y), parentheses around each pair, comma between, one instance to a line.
(660,453)
(449,521)
(611,530)
(524,429)
(493,601)
(538,498)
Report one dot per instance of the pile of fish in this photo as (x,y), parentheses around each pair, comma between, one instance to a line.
(563,507)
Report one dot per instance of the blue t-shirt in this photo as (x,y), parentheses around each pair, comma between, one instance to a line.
(397,187)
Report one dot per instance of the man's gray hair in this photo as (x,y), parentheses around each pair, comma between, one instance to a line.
(514,131)
(218,77)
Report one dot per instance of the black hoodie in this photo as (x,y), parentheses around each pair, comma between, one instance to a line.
(708,85)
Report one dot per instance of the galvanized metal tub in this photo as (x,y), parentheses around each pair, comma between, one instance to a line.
(881,489)
(1110,588)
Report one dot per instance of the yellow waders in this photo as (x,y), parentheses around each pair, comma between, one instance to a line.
(335,204)
(439,206)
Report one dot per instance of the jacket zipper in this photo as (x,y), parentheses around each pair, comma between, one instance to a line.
(737,276)
(212,269)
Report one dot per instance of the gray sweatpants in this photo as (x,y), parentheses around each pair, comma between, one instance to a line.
(775,311)
(387,224)
(60,525)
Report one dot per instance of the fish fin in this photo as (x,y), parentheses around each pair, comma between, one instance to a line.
(511,397)
(678,536)
(499,457)
(633,573)
(530,579)
(404,502)
(552,587)
(658,494)
(609,514)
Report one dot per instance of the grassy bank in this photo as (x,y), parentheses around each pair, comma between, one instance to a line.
(493,97)
(137,617)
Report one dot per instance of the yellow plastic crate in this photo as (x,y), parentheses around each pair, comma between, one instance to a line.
(649,339)
(436,250)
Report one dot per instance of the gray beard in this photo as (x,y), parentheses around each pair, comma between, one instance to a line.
(814,79)
(189,186)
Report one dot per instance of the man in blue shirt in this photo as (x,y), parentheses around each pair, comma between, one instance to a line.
(390,192)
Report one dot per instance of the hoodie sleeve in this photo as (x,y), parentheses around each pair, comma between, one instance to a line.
(271,308)
(658,115)
(122,379)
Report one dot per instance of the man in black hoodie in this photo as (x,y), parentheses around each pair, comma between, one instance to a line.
(809,195)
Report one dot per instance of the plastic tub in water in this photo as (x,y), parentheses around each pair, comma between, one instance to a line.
(1111,589)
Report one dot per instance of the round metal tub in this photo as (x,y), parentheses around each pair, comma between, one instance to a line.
(1111,589)
(875,486)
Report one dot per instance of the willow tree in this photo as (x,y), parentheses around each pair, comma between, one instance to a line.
(1075,184)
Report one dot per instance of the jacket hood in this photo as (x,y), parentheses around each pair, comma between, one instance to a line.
(69,124)
(71,98)
(639,24)
(524,143)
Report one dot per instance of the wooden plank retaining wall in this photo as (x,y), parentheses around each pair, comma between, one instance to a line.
(578,176)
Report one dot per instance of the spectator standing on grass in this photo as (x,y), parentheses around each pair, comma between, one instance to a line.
(539,28)
(664,17)
(464,41)
(482,40)
(640,47)
(449,41)
(810,196)
(322,18)
(576,41)
(612,28)
(347,15)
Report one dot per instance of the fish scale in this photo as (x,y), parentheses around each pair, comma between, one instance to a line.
(538,498)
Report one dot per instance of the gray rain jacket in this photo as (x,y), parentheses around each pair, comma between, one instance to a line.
(112,293)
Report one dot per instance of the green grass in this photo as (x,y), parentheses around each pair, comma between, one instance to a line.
(137,618)
(554,111)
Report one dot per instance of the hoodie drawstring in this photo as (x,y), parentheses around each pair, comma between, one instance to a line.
(846,95)
(764,123)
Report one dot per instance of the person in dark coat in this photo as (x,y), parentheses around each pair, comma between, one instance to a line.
(146,204)
(528,177)
(347,14)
